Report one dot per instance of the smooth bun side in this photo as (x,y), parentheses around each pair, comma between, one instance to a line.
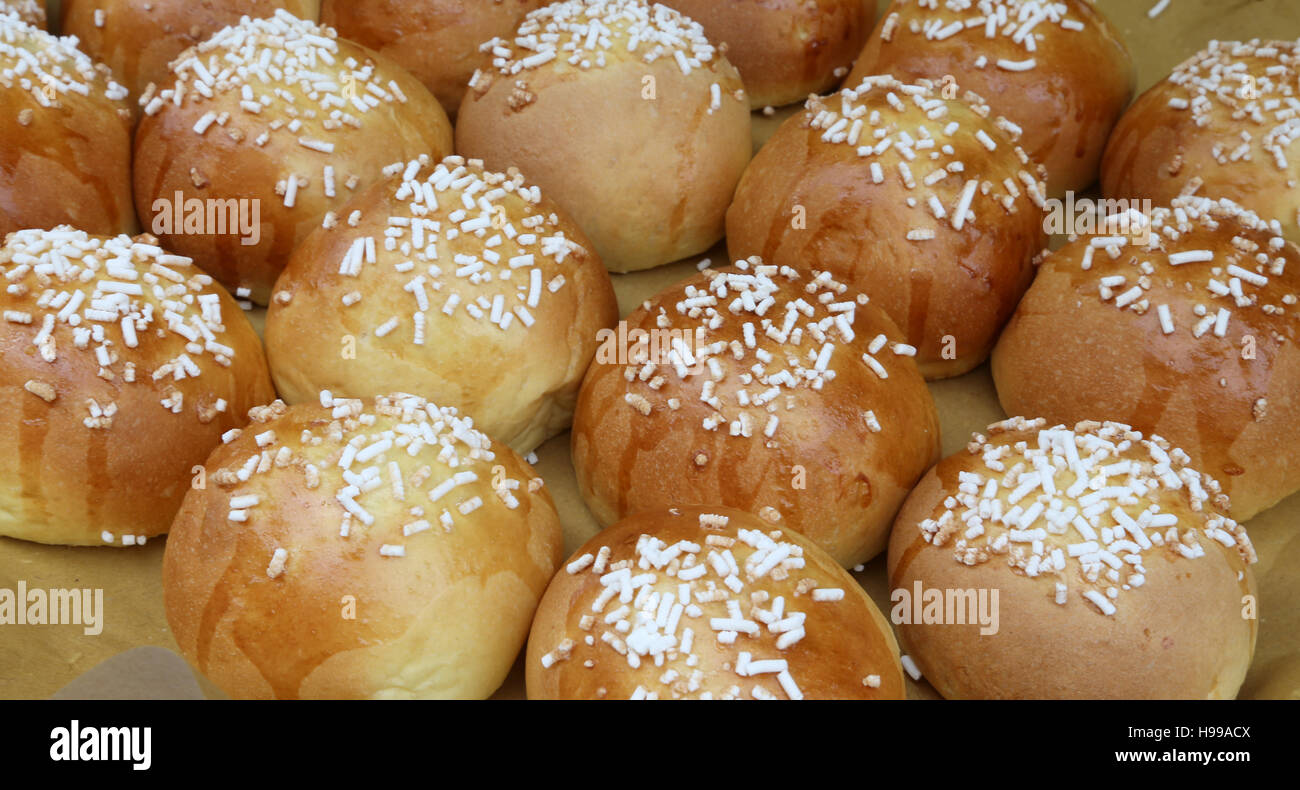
(352,550)
(910,194)
(1116,572)
(1222,125)
(1185,326)
(464,285)
(436,40)
(699,603)
(138,40)
(65,136)
(625,115)
(787,49)
(298,123)
(764,390)
(1060,71)
(121,366)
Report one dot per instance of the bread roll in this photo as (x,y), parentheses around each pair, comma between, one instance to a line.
(782,395)
(1060,70)
(448,280)
(350,550)
(138,39)
(1222,125)
(785,49)
(1188,331)
(916,197)
(30,11)
(299,123)
(65,136)
(1116,573)
(625,115)
(121,366)
(699,603)
(436,40)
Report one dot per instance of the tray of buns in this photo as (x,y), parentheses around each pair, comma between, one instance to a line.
(607,349)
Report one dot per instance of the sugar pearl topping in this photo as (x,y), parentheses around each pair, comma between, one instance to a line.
(1185,247)
(938,149)
(1021,24)
(1251,87)
(457,240)
(794,335)
(737,590)
(49,67)
(397,467)
(111,299)
(586,34)
(1087,507)
(296,86)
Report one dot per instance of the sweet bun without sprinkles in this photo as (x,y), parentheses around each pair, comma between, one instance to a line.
(785,49)
(1224,124)
(353,549)
(625,115)
(284,115)
(1186,328)
(1059,69)
(436,40)
(66,132)
(925,203)
(760,388)
(1117,572)
(699,603)
(121,367)
(137,39)
(464,285)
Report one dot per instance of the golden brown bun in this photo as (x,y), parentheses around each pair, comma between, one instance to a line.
(840,649)
(436,40)
(648,180)
(65,156)
(846,445)
(138,39)
(1179,633)
(94,453)
(1159,151)
(1068,354)
(1067,103)
(30,11)
(227,162)
(810,200)
(331,616)
(785,49)
(518,383)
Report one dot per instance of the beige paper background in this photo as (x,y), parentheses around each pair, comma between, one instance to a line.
(38,661)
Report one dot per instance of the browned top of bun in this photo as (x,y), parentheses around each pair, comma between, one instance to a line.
(694,603)
(66,132)
(436,40)
(139,39)
(126,365)
(1224,124)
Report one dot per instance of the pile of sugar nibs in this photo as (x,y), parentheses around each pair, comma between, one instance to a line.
(878,118)
(789,334)
(1254,84)
(1081,506)
(356,457)
(49,67)
(291,84)
(1017,21)
(457,199)
(637,620)
(1239,279)
(583,33)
